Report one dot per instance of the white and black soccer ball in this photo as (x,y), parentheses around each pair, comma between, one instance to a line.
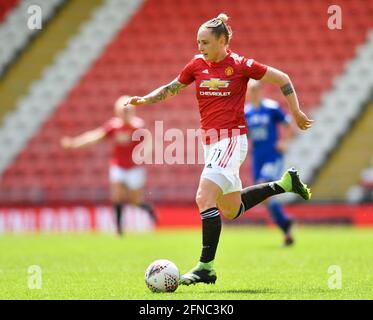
(162,276)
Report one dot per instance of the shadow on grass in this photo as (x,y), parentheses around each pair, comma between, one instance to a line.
(247,291)
(229,291)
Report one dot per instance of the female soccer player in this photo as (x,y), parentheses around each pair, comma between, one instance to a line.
(221,78)
(127,179)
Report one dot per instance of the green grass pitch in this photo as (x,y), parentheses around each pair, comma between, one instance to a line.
(250,264)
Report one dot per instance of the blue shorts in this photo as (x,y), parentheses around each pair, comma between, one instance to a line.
(267,169)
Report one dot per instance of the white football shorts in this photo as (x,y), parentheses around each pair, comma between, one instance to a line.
(133,178)
(223,160)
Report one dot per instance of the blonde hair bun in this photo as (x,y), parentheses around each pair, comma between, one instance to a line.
(223,17)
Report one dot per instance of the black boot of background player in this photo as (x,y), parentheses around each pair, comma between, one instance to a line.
(150,210)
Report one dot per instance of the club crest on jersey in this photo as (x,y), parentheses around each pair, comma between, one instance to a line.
(214,84)
(229,71)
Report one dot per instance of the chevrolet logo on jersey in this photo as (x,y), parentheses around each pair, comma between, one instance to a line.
(214,84)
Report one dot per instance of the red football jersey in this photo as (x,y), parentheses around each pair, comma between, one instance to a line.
(122,136)
(220,90)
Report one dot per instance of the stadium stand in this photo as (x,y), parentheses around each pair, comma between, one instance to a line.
(40,52)
(344,166)
(6,6)
(14,29)
(361,189)
(45,94)
(339,108)
(143,56)
(367,184)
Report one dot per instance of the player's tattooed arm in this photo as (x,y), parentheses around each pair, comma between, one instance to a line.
(287,89)
(164,92)
(158,95)
(282,80)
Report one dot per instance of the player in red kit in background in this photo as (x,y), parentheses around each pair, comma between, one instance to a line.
(221,78)
(127,179)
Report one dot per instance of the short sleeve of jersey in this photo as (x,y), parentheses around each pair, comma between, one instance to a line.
(186,76)
(253,69)
(137,123)
(109,127)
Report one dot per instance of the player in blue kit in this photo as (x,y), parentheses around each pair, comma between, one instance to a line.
(264,117)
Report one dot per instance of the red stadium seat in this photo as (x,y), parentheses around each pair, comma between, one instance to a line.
(6,6)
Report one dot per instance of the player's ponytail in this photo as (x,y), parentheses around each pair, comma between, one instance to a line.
(223,17)
(219,26)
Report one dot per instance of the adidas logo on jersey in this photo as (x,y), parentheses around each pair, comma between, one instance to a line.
(250,62)
(209,166)
(205,71)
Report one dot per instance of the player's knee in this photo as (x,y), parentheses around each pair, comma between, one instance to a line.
(230,213)
(116,197)
(230,209)
(134,199)
(204,202)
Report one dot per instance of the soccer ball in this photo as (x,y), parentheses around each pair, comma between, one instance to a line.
(162,276)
